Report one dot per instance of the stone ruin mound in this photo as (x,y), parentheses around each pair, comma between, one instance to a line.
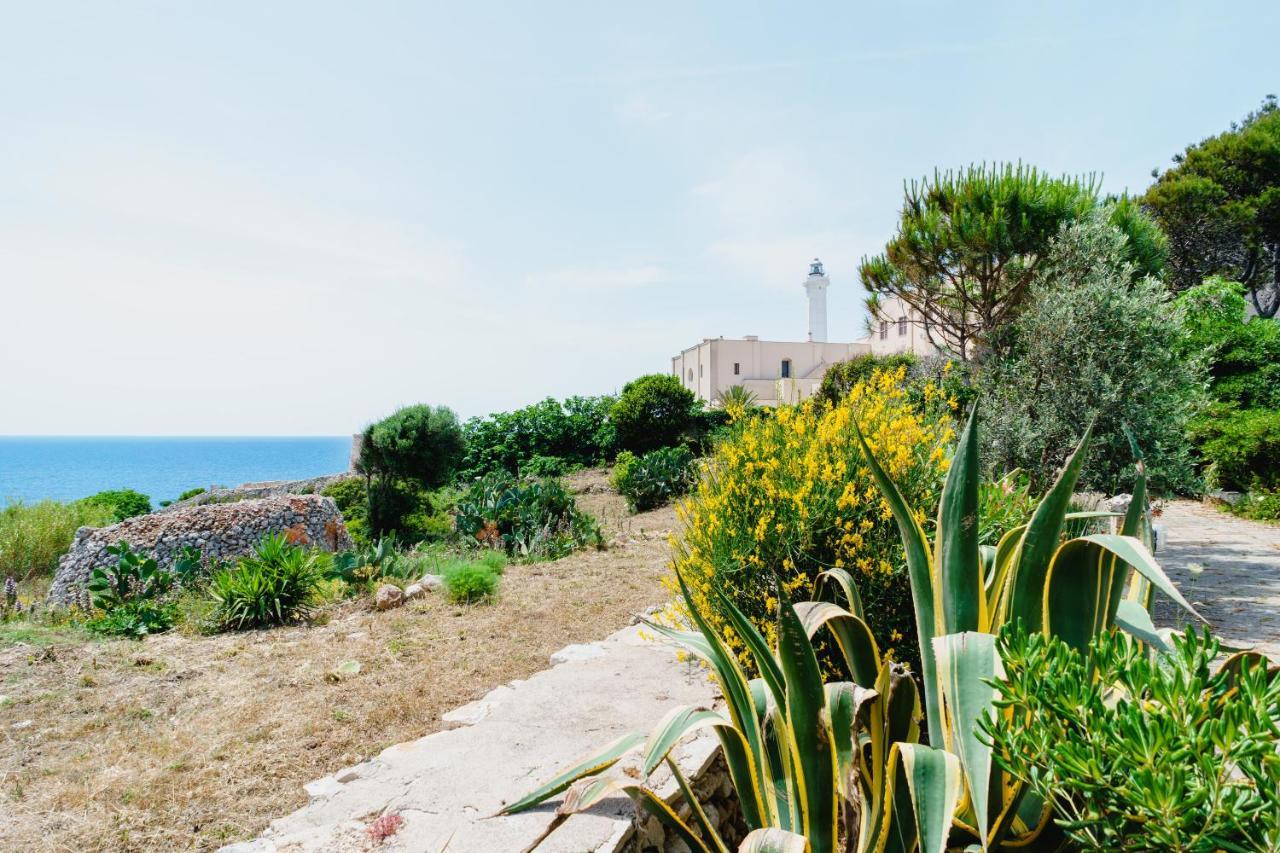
(219,531)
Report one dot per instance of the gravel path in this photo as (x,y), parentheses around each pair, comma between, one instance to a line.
(1229,568)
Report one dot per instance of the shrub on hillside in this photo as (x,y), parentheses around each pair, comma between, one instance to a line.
(191,493)
(470,583)
(1243,354)
(842,376)
(653,411)
(536,519)
(1093,342)
(1137,751)
(788,496)
(419,443)
(1242,447)
(121,503)
(132,595)
(33,536)
(576,431)
(275,585)
(351,496)
(653,479)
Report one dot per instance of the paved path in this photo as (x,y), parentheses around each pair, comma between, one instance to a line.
(446,786)
(1229,568)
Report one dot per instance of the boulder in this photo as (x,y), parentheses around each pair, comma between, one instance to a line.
(388,596)
(413,591)
(431,583)
(219,531)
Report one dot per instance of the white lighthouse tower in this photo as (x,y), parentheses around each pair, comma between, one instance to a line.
(815,285)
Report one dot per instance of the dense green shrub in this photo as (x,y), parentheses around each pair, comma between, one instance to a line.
(419,443)
(351,496)
(1006,503)
(33,536)
(1243,353)
(133,594)
(653,479)
(536,519)
(1242,447)
(275,585)
(1151,752)
(1259,505)
(843,375)
(1093,341)
(191,493)
(544,466)
(470,583)
(653,411)
(121,503)
(576,431)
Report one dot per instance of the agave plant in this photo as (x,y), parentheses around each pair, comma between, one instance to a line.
(812,763)
(964,594)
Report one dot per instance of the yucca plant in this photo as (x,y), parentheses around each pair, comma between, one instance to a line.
(964,593)
(275,585)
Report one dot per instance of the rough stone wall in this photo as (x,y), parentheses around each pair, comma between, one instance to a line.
(714,790)
(219,531)
(265,489)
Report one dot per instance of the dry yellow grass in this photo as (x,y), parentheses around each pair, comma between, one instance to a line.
(180,743)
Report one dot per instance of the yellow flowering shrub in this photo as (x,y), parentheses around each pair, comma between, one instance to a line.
(787,495)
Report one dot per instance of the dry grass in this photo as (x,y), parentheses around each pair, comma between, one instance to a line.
(180,743)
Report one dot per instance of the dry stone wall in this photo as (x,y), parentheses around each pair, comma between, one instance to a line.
(219,531)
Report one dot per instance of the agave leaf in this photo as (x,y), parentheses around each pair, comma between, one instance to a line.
(773,840)
(782,777)
(1081,592)
(957,563)
(853,636)
(673,726)
(659,808)
(924,595)
(741,706)
(968,665)
(845,581)
(1133,552)
(847,707)
(1134,619)
(809,730)
(923,791)
(589,766)
(1040,542)
(756,645)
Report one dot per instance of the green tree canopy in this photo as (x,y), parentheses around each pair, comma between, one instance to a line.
(653,411)
(970,242)
(422,443)
(1220,206)
(1093,343)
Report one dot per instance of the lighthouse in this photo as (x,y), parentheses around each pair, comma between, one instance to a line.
(815,285)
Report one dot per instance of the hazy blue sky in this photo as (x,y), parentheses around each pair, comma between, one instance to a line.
(293,217)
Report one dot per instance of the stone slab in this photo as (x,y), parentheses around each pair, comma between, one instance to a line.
(448,785)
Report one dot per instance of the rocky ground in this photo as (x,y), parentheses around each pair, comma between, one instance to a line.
(187,743)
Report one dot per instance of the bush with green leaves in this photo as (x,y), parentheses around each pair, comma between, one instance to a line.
(842,376)
(1093,341)
(470,582)
(1242,353)
(653,411)
(33,536)
(534,519)
(275,585)
(654,479)
(191,493)
(1242,447)
(576,431)
(133,594)
(120,503)
(1259,505)
(1138,751)
(419,443)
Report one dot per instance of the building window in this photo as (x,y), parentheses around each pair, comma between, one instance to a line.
(690,374)
(786,368)
(735,368)
(699,370)
(902,326)
(884,329)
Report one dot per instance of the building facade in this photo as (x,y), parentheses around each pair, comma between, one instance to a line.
(789,371)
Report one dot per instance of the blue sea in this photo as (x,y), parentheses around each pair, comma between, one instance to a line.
(65,468)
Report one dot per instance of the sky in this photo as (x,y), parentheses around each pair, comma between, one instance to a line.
(291,218)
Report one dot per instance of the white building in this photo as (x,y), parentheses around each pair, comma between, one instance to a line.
(788,371)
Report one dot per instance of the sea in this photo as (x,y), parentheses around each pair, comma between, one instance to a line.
(66,468)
